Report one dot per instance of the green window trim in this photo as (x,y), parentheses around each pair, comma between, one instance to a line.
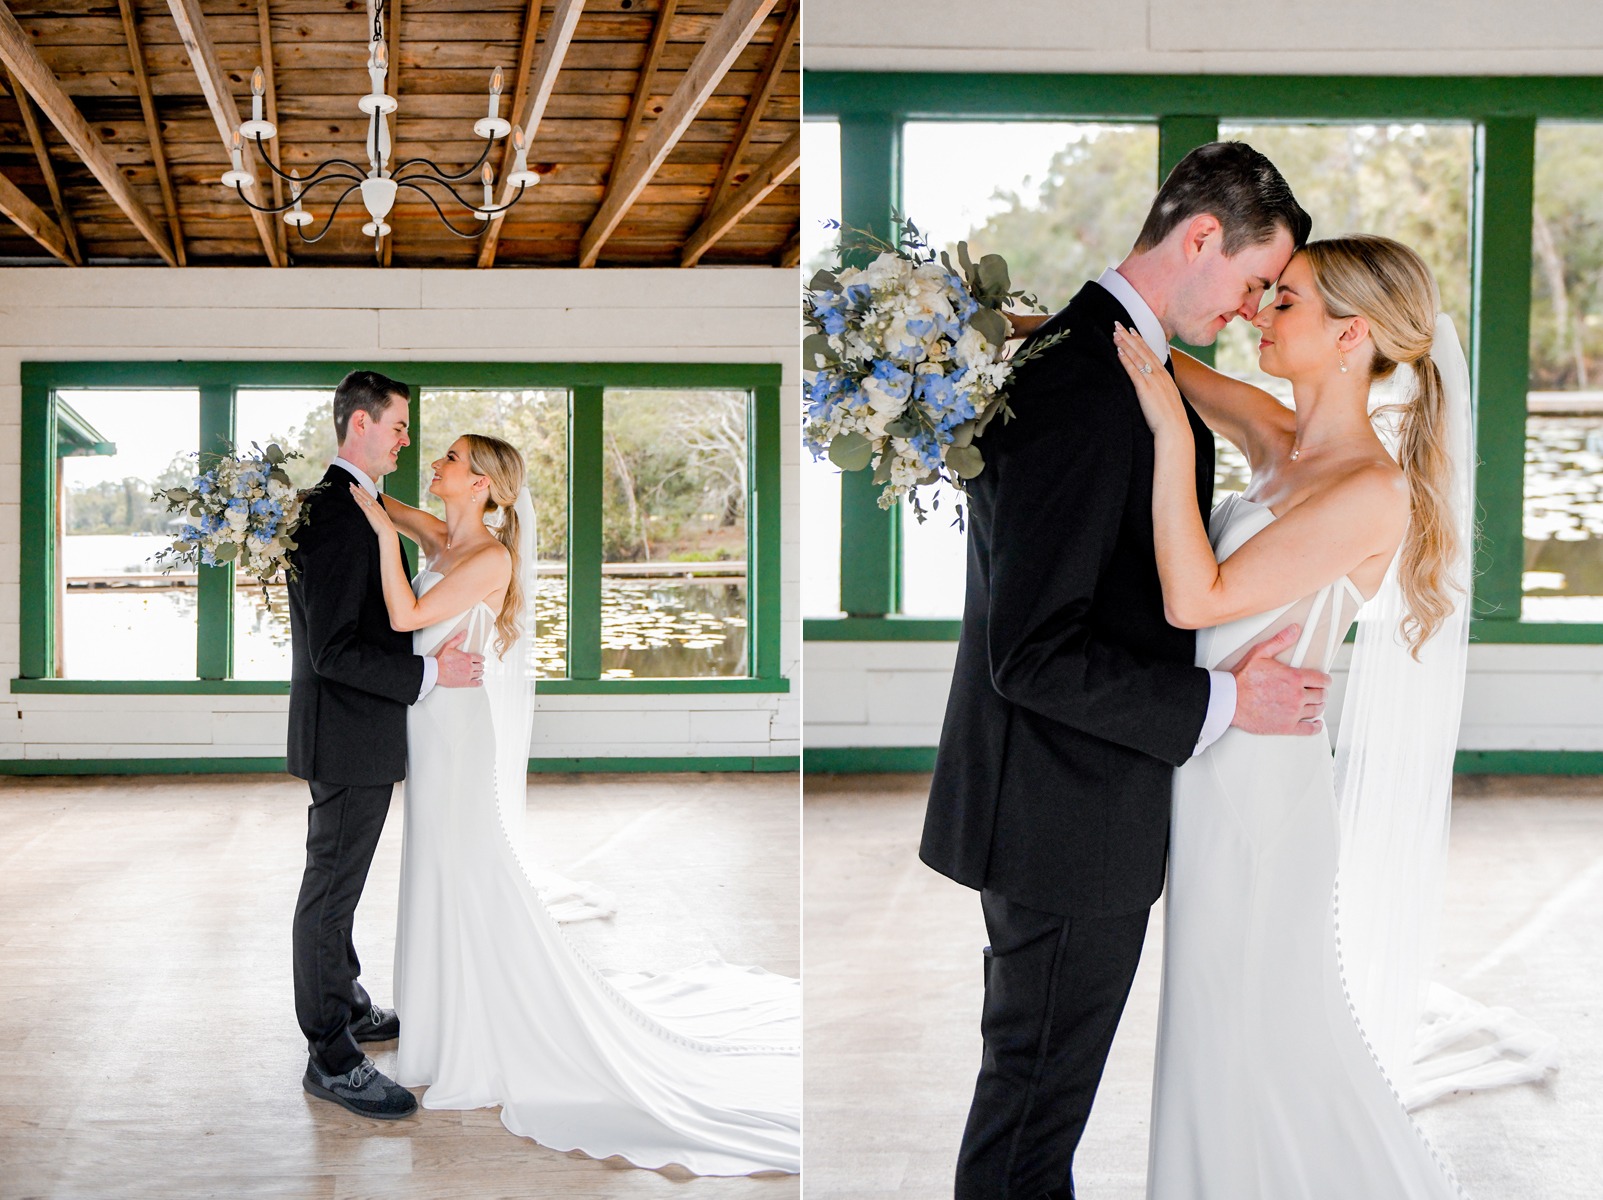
(872,108)
(275,766)
(586,383)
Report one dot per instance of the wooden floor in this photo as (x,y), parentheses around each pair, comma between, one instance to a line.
(892,997)
(148,1044)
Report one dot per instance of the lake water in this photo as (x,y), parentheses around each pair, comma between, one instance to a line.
(651,628)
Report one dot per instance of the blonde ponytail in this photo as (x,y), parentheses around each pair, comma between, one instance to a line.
(501,463)
(1393,290)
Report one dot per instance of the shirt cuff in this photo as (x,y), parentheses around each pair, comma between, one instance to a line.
(1221,709)
(431,676)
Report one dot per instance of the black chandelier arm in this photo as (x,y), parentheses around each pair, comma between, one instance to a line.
(438,173)
(328,224)
(262,208)
(316,176)
(407,183)
(412,182)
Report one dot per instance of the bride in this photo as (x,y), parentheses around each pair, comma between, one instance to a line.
(1267,1085)
(700,1067)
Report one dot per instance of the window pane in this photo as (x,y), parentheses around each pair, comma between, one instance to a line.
(300,420)
(673,591)
(120,618)
(536,422)
(820,194)
(1061,202)
(1564,425)
(820,502)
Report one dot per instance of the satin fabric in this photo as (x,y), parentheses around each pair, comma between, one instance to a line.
(699,1067)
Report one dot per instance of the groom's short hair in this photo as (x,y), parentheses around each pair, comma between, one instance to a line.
(367,391)
(1236,184)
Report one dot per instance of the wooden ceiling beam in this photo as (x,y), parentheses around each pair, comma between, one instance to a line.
(642,96)
(533,95)
(264,28)
(790,255)
(147,104)
(33,221)
(36,136)
(762,92)
(197,41)
(776,168)
(734,30)
(392,30)
(19,55)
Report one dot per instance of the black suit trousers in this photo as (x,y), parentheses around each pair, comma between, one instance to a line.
(1055,987)
(342,832)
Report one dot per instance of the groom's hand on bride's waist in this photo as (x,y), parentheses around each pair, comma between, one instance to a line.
(458,669)
(1274,698)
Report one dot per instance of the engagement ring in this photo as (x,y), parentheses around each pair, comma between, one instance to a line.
(1146,368)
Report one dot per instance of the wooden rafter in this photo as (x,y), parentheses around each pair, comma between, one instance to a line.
(535,94)
(33,221)
(767,81)
(36,136)
(642,96)
(776,168)
(18,53)
(147,104)
(728,38)
(197,41)
(264,27)
(392,29)
(790,255)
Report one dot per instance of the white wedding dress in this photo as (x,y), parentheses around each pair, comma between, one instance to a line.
(699,1067)
(1266,1087)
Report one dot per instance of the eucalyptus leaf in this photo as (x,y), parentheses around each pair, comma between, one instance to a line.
(176,495)
(992,271)
(991,324)
(816,346)
(963,435)
(274,453)
(965,461)
(851,451)
(280,476)
(227,552)
(824,281)
(903,427)
(964,260)
(928,478)
(196,511)
(882,473)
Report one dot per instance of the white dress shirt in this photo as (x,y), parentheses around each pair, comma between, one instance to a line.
(1222,684)
(431,666)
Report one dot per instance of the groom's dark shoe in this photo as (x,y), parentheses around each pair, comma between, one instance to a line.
(378,1025)
(362,1090)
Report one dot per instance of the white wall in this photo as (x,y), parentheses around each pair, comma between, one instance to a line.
(894,694)
(1296,37)
(352,316)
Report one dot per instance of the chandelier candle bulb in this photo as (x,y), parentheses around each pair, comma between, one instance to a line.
(238,177)
(521,176)
(258,88)
(296,216)
(493,125)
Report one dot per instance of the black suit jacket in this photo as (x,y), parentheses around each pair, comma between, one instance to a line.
(352,676)
(1073,698)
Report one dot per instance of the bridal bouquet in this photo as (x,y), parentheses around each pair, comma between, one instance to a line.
(906,365)
(243,510)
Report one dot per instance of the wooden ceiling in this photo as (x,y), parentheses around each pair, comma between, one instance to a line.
(666,132)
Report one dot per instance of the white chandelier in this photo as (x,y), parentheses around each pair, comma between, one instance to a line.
(381,182)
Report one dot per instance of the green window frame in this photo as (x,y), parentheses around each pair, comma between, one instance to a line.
(1187,109)
(586,384)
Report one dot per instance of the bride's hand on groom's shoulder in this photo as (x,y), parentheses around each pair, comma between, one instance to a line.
(1154,387)
(373,510)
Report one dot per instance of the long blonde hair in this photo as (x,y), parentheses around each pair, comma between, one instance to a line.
(501,463)
(1390,286)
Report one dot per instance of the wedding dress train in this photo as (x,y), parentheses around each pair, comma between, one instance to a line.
(1266,1087)
(698,1067)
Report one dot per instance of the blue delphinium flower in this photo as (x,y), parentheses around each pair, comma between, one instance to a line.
(207,483)
(892,379)
(858,293)
(211,523)
(927,448)
(828,309)
(264,506)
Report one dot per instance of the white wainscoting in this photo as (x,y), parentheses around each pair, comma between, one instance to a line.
(893,694)
(357,315)
(1361,37)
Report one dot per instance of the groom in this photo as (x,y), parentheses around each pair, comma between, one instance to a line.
(1073,698)
(351,682)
